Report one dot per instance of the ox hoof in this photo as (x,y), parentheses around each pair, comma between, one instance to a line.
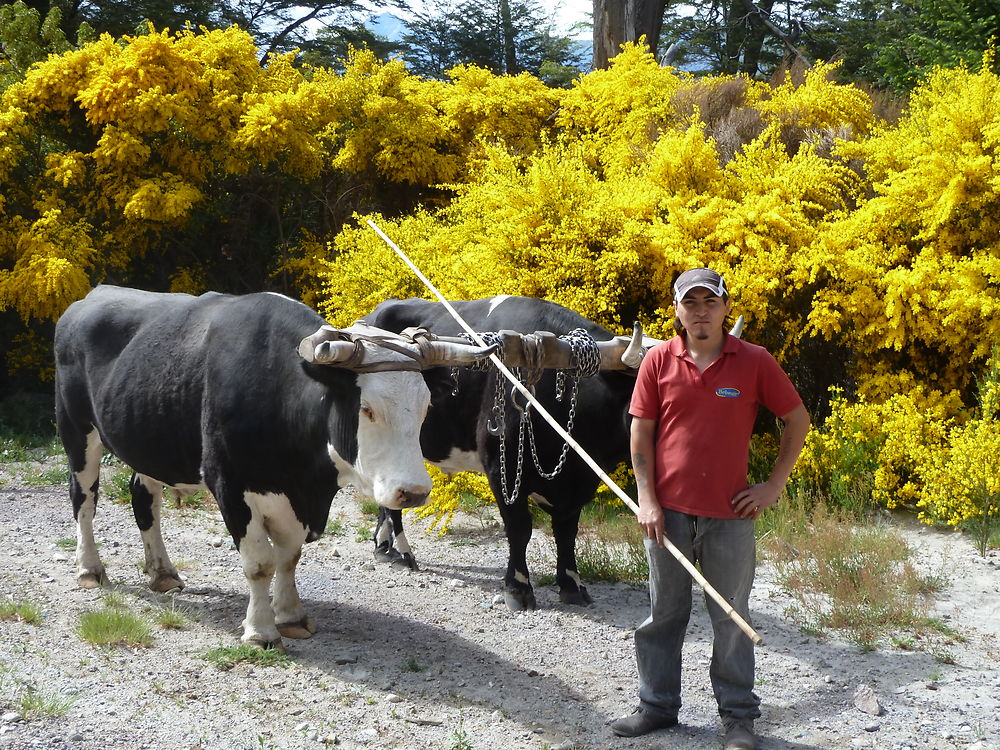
(406,560)
(163,584)
(90,580)
(520,601)
(580,598)
(259,642)
(386,554)
(300,630)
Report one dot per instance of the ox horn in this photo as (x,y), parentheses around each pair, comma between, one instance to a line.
(436,351)
(636,351)
(328,346)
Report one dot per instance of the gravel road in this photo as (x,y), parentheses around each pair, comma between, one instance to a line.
(432,659)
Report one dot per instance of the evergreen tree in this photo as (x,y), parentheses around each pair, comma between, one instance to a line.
(506,37)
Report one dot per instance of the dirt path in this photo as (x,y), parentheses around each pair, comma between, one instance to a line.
(431,660)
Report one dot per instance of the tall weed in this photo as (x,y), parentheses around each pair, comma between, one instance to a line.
(844,574)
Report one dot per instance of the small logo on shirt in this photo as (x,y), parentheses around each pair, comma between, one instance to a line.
(728,392)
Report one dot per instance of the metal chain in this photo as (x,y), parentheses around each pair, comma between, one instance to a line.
(587,361)
(490,338)
(587,358)
(498,426)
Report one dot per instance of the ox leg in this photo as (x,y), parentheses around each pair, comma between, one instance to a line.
(289,614)
(391,544)
(288,536)
(517,591)
(247,527)
(258,559)
(571,588)
(147,506)
(84,477)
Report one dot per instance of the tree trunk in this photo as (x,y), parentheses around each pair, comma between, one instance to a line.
(754,40)
(620,21)
(507,39)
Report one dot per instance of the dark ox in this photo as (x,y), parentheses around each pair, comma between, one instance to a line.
(455,435)
(210,392)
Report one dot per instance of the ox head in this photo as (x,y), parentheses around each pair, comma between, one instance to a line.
(376,444)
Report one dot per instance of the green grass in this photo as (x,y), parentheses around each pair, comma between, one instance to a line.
(368,507)
(35,704)
(412,665)
(985,532)
(116,487)
(225,658)
(609,547)
(460,739)
(32,703)
(334,527)
(41,477)
(114,625)
(28,612)
(188,499)
(66,542)
(172,618)
(600,560)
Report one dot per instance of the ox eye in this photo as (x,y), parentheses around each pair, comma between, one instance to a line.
(366,411)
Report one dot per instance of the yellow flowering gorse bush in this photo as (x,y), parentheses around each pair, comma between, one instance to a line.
(863,253)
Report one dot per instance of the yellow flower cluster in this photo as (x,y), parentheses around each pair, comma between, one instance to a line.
(632,187)
(920,449)
(52,257)
(447,494)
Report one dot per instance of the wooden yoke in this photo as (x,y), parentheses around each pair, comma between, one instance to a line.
(546,350)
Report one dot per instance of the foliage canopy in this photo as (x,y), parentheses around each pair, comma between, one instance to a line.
(864,253)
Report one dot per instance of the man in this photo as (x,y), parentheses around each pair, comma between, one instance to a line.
(695,402)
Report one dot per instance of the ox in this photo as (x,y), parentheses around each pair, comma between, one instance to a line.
(456,436)
(210,392)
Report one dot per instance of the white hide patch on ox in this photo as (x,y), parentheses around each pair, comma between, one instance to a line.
(277,519)
(459,460)
(495,302)
(87,558)
(389,463)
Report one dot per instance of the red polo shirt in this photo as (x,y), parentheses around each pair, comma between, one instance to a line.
(704,420)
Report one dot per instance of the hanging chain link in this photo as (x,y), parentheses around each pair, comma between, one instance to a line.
(587,363)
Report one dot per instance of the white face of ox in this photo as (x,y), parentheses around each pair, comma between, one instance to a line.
(389,465)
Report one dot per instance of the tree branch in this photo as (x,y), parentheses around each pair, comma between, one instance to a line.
(765,19)
(277,40)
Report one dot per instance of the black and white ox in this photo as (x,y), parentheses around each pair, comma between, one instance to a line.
(253,397)
(459,434)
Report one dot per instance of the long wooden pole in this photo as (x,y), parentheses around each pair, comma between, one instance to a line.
(612,485)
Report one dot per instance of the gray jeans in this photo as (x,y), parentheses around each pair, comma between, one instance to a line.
(726,551)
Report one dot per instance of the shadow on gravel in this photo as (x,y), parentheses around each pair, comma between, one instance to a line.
(433,663)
